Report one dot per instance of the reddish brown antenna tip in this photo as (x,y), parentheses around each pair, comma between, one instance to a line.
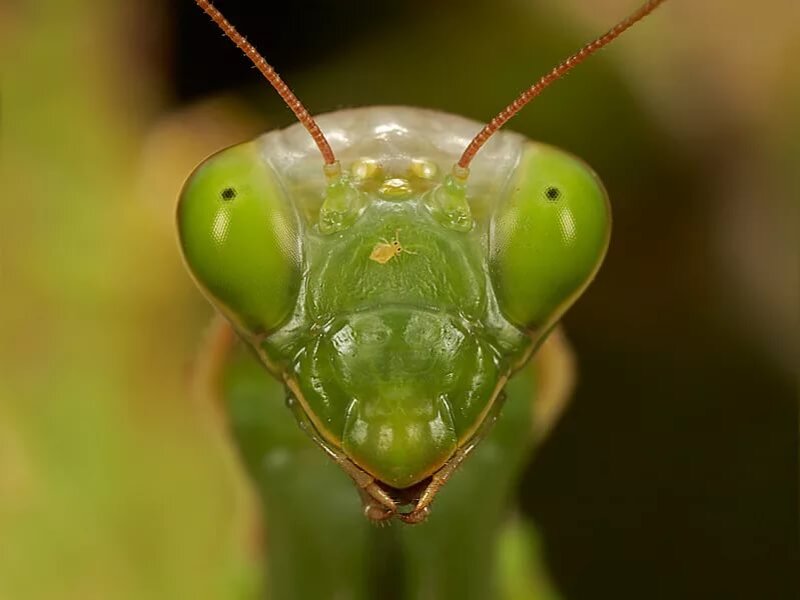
(559,71)
(272,76)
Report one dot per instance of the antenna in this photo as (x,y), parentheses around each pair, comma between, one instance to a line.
(272,76)
(537,88)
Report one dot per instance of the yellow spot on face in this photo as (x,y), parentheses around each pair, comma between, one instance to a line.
(423,168)
(364,168)
(384,251)
(395,187)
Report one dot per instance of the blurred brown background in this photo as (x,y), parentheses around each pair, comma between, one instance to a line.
(674,472)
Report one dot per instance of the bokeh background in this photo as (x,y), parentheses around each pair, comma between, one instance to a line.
(673,474)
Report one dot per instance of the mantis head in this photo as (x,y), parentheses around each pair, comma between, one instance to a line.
(395,353)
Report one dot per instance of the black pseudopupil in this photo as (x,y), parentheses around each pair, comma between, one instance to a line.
(228,193)
(552,193)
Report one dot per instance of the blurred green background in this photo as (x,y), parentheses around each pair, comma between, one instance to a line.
(673,473)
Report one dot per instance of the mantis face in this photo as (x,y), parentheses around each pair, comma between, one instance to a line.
(393,299)
(395,354)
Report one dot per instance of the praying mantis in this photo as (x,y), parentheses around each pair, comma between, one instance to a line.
(421,371)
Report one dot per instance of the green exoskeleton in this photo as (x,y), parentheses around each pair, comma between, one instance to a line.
(397,289)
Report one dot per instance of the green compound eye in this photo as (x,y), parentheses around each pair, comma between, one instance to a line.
(240,238)
(548,236)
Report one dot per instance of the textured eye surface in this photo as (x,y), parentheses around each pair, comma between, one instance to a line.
(548,236)
(240,237)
